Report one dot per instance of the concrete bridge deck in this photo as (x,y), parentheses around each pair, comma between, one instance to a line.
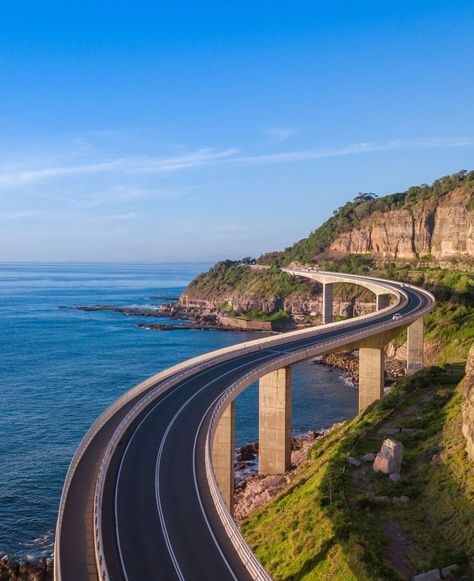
(142,499)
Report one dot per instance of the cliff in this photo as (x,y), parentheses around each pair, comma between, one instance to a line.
(468,405)
(434,221)
(442,227)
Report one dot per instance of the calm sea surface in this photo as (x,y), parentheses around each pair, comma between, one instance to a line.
(59,369)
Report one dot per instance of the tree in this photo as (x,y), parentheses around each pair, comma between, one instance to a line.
(365,197)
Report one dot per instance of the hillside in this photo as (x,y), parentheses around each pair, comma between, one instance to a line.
(435,222)
(342,522)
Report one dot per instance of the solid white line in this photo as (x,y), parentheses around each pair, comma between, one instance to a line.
(197,488)
(126,450)
(158,461)
(158,500)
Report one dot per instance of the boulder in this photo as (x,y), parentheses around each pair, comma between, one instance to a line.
(353,461)
(395,476)
(404,499)
(369,457)
(450,572)
(389,459)
(432,575)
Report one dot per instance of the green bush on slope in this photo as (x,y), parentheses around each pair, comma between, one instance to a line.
(325,527)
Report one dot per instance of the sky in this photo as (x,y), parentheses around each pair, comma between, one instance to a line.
(153,131)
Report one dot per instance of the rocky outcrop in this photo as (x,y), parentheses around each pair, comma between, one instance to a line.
(442,227)
(34,570)
(193,303)
(468,405)
(389,459)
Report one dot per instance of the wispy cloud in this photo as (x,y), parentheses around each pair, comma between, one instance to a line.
(117,217)
(137,166)
(18,214)
(121,165)
(356,149)
(279,134)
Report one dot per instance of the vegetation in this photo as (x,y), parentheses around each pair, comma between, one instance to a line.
(233,276)
(350,215)
(327,524)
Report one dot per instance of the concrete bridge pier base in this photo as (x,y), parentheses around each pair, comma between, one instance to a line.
(415,346)
(327,302)
(382,301)
(371,373)
(223,455)
(274,430)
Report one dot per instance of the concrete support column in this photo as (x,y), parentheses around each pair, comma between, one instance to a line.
(327,302)
(223,455)
(371,374)
(382,301)
(415,346)
(274,430)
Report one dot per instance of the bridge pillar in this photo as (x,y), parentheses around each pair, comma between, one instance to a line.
(223,455)
(371,373)
(274,430)
(382,301)
(327,302)
(415,346)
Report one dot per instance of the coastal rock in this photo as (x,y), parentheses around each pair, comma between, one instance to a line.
(389,459)
(442,227)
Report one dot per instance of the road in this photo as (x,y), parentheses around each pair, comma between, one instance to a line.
(157,517)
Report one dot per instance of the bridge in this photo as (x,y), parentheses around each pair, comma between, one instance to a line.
(149,492)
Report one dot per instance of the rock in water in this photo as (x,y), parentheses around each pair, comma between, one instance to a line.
(389,459)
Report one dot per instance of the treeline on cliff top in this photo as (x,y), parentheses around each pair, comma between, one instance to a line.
(351,214)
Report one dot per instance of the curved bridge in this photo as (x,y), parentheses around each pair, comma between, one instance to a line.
(148,492)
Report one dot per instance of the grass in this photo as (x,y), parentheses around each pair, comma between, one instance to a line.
(326,525)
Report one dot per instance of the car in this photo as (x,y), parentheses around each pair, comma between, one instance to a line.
(397,316)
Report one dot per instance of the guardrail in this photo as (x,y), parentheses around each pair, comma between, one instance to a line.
(154,386)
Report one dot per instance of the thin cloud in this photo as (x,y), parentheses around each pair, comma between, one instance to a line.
(133,166)
(121,165)
(279,134)
(18,214)
(117,217)
(357,149)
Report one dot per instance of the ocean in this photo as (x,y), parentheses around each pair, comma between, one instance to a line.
(60,368)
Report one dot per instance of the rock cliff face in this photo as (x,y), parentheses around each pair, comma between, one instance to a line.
(297,306)
(442,227)
(468,405)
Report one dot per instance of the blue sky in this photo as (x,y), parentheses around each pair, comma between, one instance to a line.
(151,131)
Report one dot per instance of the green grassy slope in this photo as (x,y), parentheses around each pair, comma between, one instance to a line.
(327,525)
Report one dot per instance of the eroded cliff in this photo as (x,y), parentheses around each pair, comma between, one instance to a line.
(442,227)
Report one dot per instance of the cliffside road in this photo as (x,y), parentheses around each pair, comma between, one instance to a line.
(157,518)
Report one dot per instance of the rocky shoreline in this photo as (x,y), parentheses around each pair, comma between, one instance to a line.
(192,317)
(253,490)
(348,361)
(32,570)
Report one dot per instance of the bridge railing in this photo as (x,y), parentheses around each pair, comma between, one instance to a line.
(253,565)
(161,382)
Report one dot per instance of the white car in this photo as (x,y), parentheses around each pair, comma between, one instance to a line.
(397,316)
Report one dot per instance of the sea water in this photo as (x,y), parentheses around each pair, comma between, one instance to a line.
(60,368)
